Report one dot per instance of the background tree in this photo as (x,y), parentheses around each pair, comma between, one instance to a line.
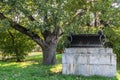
(14,44)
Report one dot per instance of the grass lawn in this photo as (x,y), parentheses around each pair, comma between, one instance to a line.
(32,69)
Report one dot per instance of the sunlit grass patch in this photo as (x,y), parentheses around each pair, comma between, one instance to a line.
(118,75)
(34,56)
(56,69)
(20,64)
(118,71)
(8,64)
(34,53)
(25,64)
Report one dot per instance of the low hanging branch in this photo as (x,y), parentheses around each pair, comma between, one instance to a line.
(23,30)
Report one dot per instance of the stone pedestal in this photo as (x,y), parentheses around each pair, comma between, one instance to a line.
(89,61)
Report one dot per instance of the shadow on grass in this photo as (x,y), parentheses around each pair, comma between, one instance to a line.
(32,69)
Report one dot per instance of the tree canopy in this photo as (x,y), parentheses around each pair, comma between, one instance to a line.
(44,21)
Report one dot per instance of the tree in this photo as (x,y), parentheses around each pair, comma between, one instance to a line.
(40,20)
(14,44)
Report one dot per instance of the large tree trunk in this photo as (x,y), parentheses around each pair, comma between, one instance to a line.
(48,44)
(49,55)
(49,48)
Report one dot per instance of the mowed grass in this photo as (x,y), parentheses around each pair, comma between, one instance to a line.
(31,69)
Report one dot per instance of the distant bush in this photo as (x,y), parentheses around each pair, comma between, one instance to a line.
(15,44)
(113,37)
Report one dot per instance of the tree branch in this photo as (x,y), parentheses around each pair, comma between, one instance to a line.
(31,18)
(23,30)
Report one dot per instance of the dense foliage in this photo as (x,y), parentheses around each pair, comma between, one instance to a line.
(113,37)
(14,44)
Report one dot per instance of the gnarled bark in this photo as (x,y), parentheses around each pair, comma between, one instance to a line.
(50,45)
(49,55)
